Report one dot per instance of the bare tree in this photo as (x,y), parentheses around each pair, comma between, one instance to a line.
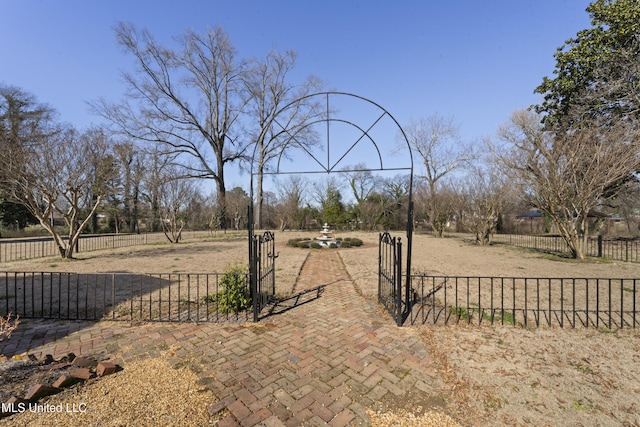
(131,177)
(397,189)
(567,174)
(486,196)
(291,195)
(437,142)
(237,204)
(175,194)
(62,173)
(362,184)
(447,202)
(188,101)
(279,112)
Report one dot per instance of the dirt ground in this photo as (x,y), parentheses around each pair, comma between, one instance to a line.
(493,375)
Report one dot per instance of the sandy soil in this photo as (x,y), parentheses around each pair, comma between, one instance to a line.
(494,375)
(515,376)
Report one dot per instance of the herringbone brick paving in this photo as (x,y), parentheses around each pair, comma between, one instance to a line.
(323,362)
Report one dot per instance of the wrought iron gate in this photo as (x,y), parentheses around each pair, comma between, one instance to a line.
(262,270)
(390,290)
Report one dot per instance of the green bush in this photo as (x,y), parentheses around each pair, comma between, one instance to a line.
(234,296)
(294,242)
(304,243)
(352,242)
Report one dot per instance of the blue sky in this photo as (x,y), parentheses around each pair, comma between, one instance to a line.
(476,61)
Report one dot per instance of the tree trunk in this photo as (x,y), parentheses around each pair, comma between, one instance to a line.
(221,196)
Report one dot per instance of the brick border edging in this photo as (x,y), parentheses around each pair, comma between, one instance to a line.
(79,369)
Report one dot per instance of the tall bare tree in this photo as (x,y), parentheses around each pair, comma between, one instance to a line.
(188,101)
(279,112)
(131,169)
(567,174)
(436,140)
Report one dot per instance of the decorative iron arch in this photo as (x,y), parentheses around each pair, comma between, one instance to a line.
(330,116)
(329,166)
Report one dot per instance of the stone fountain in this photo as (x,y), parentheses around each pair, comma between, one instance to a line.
(326,236)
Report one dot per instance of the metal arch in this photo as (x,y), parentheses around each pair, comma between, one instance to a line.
(329,168)
(327,94)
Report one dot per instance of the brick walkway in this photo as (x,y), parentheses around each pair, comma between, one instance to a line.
(323,361)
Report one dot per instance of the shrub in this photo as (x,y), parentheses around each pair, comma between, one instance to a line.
(340,242)
(234,296)
(356,242)
(294,242)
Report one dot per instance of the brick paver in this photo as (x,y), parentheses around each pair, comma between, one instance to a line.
(322,362)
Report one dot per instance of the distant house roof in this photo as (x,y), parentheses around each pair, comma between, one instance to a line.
(535,213)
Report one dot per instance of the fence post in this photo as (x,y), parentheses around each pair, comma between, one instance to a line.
(626,250)
(399,283)
(599,245)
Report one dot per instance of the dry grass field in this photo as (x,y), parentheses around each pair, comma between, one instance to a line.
(494,375)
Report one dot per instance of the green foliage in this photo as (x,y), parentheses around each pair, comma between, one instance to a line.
(234,296)
(333,210)
(581,63)
(460,312)
(298,242)
(352,241)
(208,299)
(500,317)
(15,215)
(305,243)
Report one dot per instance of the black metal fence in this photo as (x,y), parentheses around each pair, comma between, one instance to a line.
(39,247)
(527,302)
(122,296)
(598,247)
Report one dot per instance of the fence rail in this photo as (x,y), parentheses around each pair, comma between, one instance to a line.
(597,247)
(39,247)
(527,302)
(120,296)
